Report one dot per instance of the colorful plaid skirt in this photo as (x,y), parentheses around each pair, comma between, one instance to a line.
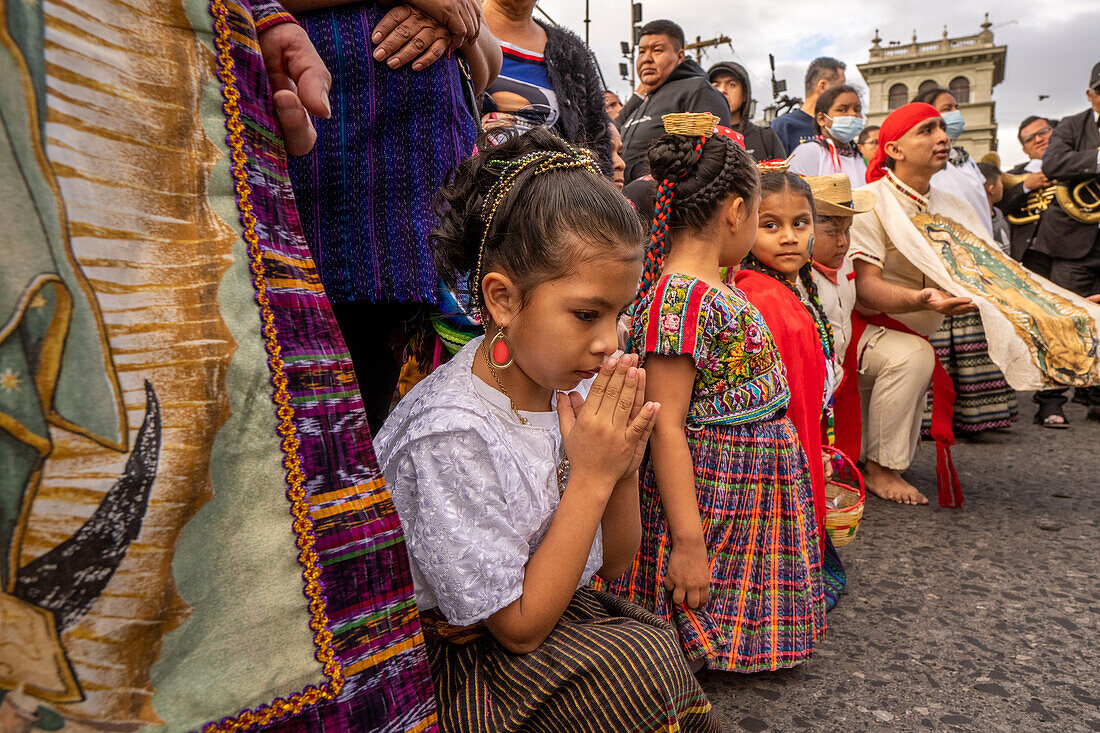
(983,399)
(766,608)
(607,666)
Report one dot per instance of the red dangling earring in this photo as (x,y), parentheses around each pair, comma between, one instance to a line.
(499,353)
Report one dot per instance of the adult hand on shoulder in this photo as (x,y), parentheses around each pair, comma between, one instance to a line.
(300,83)
(688,575)
(406,35)
(605,434)
(461,17)
(949,305)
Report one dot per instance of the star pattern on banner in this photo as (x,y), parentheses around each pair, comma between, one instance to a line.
(9,380)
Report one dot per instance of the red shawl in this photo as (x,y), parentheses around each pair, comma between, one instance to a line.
(792,327)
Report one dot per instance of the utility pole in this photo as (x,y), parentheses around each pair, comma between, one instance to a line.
(628,48)
(700,44)
(587,22)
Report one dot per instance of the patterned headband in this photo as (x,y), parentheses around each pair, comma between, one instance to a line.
(543,161)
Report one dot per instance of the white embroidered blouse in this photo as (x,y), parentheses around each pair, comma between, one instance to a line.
(474,488)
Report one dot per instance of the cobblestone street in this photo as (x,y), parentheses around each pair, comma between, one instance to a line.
(979,619)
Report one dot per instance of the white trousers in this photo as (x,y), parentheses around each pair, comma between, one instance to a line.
(895,371)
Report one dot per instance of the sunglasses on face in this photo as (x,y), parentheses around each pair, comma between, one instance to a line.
(1037,134)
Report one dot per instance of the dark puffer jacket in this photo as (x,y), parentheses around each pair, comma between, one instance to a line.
(575,77)
(761,142)
(685,90)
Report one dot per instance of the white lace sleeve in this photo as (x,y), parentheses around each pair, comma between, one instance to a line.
(458,525)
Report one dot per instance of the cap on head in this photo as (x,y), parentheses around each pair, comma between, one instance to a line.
(1094,79)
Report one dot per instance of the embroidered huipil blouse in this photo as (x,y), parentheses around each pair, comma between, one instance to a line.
(739,376)
(474,488)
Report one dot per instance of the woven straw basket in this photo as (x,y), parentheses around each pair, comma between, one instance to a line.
(847,485)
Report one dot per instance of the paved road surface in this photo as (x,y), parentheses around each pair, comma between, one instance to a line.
(983,619)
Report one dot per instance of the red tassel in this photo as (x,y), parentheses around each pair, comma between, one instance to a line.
(943,410)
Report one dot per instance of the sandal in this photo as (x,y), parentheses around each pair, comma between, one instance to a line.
(1047,416)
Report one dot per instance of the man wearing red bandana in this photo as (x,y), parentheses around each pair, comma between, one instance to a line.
(893,359)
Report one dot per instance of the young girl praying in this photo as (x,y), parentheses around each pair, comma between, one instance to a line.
(513,466)
(730,550)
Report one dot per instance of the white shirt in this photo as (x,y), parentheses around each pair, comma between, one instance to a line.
(838,300)
(474,488)
(811,158)
(967,182)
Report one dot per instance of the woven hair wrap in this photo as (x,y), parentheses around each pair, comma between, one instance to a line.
(541,161)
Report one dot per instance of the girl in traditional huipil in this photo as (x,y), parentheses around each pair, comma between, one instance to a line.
(513,494)
(730,551)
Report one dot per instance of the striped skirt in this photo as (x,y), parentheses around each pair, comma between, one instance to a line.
(983,399)
(766,608)
(607,666)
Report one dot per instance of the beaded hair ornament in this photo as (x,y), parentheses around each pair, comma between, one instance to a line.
(690,124)
(509,170)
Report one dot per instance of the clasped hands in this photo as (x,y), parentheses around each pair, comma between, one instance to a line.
(605,434)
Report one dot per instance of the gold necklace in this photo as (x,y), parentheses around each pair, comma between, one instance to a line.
(563,462)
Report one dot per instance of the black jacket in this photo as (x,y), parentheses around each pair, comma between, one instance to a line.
(575,78)
(1070,157)
(1013,203)
(685,90)
(761,142)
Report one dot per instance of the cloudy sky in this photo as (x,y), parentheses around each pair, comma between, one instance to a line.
(1052,44)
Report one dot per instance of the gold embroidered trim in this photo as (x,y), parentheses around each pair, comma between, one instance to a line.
(300,508)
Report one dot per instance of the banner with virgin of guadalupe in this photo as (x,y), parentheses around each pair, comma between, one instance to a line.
(194,534)
(1040,335)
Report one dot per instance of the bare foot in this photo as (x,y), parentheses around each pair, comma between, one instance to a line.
(887,483)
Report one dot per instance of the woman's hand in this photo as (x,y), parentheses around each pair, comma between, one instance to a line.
(461,18)
(406,35)
(299,84)
(827,464)
(688,576)
(605,435)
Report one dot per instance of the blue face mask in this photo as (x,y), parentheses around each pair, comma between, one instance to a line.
(954,123)
(845,129)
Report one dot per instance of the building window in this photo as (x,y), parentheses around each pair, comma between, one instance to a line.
(926,86)
(899,95)
(960,89)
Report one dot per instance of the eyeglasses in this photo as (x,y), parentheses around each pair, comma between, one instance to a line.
(1038,133)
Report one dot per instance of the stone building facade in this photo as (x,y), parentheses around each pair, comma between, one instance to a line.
(970,66)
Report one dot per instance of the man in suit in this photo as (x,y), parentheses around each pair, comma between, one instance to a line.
(1072,155)
(1034,136)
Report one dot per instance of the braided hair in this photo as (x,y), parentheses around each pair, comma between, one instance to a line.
(696,175)
(779,182)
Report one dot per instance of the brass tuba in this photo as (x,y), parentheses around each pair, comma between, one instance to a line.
(1081,201)
(1037,201)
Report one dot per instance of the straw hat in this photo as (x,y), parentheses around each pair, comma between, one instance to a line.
(833,196)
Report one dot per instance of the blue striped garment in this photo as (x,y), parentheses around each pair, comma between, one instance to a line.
(364,193)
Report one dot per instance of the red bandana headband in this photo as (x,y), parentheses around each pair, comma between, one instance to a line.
(896,124)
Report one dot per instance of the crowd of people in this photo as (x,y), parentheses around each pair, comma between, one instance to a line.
(635,454)
(614,354)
